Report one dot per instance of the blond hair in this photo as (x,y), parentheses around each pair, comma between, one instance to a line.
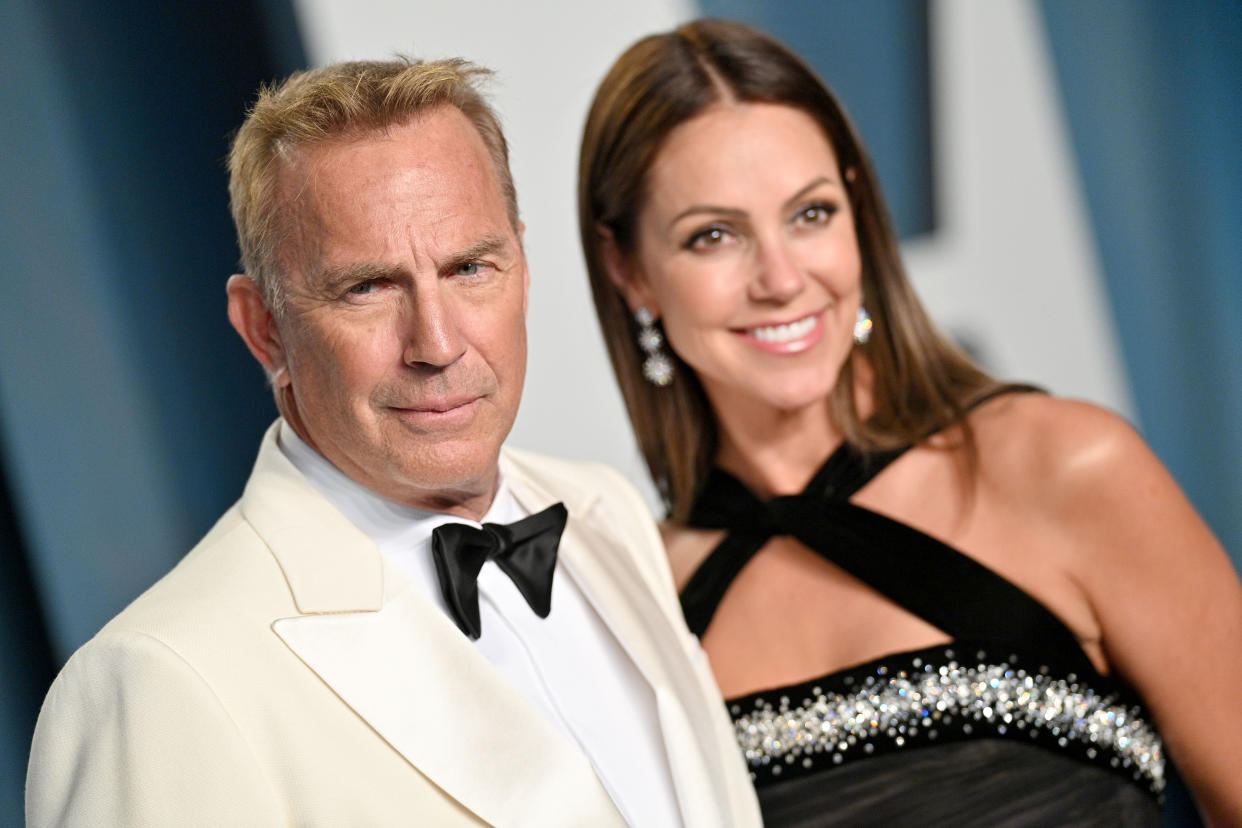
(339,102)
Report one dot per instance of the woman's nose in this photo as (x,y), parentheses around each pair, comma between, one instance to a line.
(779,277)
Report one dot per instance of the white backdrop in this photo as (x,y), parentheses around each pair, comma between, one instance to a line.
(1012,267)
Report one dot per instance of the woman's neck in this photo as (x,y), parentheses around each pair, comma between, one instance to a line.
(776,452)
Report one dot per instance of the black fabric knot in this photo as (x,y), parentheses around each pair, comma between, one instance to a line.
(782,514)
(726,503)
(524,550)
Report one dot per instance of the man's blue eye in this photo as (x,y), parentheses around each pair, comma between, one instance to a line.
(468,268)
(362,288)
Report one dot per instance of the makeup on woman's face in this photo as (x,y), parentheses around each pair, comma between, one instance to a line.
(748,255)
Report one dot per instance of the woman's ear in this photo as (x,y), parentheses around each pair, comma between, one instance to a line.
(623,272)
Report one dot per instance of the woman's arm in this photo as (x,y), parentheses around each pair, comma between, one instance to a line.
(1166,595)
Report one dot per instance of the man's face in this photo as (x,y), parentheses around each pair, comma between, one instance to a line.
(404,337)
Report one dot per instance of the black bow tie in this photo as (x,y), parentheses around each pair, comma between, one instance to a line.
(525,551)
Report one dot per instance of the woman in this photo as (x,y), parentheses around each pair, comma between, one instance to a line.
(928,595)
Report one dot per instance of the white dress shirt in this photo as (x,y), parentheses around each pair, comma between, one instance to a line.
(569,665)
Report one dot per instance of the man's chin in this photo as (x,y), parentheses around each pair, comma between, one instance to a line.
(454,475)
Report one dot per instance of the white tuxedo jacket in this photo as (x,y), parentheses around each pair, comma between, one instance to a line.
(284,674)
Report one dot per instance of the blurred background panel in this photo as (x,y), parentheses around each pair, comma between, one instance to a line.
(1153,95)
(1063,173)
(129,412)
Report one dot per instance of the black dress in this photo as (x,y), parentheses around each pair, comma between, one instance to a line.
(1010,724)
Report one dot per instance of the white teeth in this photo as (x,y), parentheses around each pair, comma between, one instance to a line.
(784,333)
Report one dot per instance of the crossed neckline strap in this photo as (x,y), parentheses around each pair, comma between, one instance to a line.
(927,577)
(726,503)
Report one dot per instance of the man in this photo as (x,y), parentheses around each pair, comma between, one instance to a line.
(325,656)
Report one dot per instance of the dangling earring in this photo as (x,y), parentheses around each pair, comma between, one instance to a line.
(862,326)
(657,368)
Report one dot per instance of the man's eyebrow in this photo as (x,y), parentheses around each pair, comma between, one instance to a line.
(330,278)
(486,246)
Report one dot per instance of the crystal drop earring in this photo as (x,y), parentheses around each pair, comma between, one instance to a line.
(657,367)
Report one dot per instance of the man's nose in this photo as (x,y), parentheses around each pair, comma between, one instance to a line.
(778,277)
(430,329)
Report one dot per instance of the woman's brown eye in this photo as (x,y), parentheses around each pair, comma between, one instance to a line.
(707,238)
(816,213)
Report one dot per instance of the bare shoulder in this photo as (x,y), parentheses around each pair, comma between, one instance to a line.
(687,549)
(1056,451)
(1083,484)
(1084,476)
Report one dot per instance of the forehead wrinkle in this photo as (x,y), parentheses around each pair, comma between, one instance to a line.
(430,230)
(310,213)
(487,246)
(304,226)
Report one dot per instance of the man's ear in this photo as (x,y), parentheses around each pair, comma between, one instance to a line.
(624,273)
(253,321)
(525,268)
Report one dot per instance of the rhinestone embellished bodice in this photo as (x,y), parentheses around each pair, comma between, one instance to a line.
(940,695)
(1014,672)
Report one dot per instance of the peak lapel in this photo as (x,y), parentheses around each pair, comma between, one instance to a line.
(627,603)
(595,554)
(405,669)
(418,682)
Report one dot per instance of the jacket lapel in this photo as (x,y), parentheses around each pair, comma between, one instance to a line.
(408,671)
(403,666)
(627,604)
(595,556)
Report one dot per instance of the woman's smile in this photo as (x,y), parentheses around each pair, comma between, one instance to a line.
(793,337)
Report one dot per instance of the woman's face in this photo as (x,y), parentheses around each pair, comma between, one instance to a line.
(747,252)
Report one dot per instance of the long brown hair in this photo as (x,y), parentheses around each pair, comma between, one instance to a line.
(922,382)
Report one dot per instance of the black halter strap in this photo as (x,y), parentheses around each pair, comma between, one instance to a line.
(726,503)
(943,586)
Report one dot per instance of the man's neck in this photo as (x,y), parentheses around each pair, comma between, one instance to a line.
(327,476)
(470,503)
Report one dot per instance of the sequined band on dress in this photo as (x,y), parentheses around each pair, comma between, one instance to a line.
(923,698)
